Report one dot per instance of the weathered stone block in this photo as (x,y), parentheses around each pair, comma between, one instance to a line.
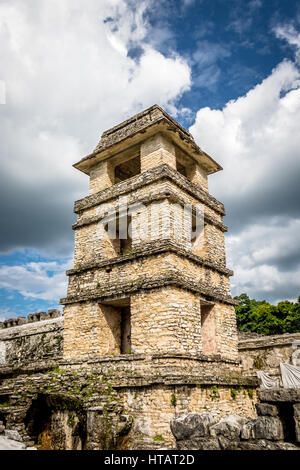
(13,435)
(248,430)
(204,443)
(53,313)
(229,427)
(268,427)
(192,425)
(265,409)
(14,322)
(228,443)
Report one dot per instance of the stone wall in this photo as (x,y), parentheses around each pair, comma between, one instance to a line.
(31,342)
(118,401)
(42,338)
(267,352)
(158,199)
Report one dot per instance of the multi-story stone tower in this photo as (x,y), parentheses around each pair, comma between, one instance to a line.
(158,291)
(149,329)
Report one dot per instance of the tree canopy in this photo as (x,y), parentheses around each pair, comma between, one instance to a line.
(264,318)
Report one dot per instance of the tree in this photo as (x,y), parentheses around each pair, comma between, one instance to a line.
(262,317)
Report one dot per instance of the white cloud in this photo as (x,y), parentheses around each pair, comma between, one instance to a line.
(256,139)
(45,281)
(291,35)
(252,131)
(188,3)
(68,77)
(266,259)
(7,313)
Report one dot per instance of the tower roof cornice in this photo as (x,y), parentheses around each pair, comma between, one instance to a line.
(139,128)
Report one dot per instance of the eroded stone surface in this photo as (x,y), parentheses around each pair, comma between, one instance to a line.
(231,433)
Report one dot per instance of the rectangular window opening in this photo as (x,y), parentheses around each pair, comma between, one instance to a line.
(125,346)
(127,169)
(198,236)
(181,168)
(123,235)
(118,318)
(120,235)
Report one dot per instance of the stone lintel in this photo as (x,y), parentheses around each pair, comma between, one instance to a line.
(150,176)
(280,395)
(111,293)
(152,249)
(169,195)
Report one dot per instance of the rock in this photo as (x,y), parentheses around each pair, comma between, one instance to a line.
(229,427)
(232,433)
(268,427)
(2,428)
(228,444)
(8,444)
(13,435)
(286,395)
(265,409)
(202,443)
(192,425)
(248,430)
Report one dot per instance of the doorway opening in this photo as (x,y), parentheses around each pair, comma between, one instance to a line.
(118,319)
(286,414)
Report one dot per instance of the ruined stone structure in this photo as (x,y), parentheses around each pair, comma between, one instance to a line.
(175,299)
(149,328)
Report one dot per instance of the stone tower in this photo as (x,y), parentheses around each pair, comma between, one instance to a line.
(157,291)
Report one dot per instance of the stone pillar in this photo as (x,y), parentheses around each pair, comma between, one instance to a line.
(160,220)
(157,150)
(198,176)
(165,321)
(225,330)
(101,177)
(214,244)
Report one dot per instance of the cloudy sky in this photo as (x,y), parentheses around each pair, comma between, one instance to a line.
(229,70)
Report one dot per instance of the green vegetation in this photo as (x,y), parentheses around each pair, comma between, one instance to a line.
(59,371)
(214,392)
(261,317)
(158,438)
(233,393)
(5,403)
(173,400)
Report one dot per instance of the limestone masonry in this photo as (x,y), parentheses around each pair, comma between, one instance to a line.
(149,328)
